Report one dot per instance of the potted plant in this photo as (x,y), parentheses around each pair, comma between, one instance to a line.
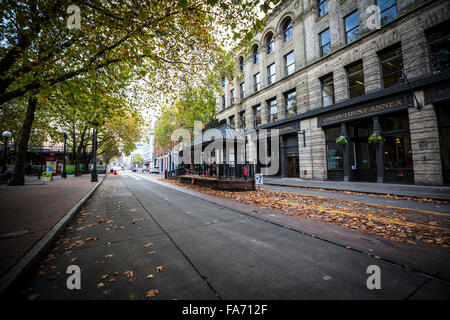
(342,141)
(375,138)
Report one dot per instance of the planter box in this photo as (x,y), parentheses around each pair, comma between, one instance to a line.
(226,184)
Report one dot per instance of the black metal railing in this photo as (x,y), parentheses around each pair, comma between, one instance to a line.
(244,171)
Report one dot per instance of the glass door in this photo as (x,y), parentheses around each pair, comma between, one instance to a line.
(364,155)
(292,163)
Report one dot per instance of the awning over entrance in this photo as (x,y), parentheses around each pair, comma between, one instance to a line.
(223,132)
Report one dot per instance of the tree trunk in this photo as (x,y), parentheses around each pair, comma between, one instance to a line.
(87,161)
(17,178)
(78,172)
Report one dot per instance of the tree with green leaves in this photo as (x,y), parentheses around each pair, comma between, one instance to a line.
(84,103)
(158,41)
(137,159)
(195,103)
(118,136)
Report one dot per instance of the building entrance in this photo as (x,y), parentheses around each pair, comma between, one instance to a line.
(292,166)
(364,167)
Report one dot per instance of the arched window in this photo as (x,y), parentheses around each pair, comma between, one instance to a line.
(255,54)
(287,31)
(269,44)
(241,64)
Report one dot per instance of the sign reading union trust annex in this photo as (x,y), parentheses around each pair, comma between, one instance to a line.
(392,104)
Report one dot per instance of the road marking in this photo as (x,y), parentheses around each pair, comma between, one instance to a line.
(369,216)
(14,234)
(131,175)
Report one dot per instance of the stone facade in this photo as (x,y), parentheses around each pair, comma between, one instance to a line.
(407,29)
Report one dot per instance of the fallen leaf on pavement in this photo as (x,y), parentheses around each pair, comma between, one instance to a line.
(105,276)
(148,245)
(150,276)
(151,293)
(100,285)
(106,292)
(159,268)
(151,252)
(109,255)
(33,296)
(130,275)
(112,280)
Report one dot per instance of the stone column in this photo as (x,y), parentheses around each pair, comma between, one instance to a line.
(281,107)
(379,151)
(282,157)
(305,153)
(334,18)
(425,146)
(278,57)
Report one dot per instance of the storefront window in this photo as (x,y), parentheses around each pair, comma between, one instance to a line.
(335,153)
(395,122)
(335,156)
(443,115)
(332,133)
(397,152)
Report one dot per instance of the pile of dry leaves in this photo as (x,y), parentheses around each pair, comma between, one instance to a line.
(397,224)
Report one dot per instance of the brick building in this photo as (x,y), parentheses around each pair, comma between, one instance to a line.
(323,69)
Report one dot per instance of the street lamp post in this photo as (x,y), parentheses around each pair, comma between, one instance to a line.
(64,173)
(94,177)
(6,135)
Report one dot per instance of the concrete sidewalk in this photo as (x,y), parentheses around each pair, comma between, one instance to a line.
(408,190)
(29,212)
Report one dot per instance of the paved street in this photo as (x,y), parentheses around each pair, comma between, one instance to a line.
(136,235)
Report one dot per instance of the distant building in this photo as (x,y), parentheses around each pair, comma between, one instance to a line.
(148,152)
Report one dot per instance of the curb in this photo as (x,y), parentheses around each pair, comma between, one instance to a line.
(360,191)
(38,249)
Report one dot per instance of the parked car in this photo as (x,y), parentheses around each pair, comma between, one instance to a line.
(154,170)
